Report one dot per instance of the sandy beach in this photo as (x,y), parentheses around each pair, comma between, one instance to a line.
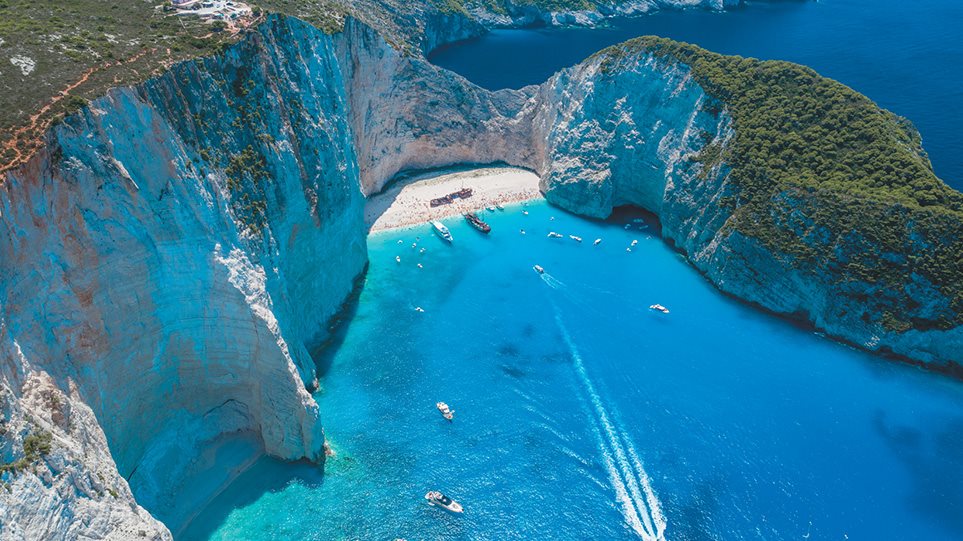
(407,201)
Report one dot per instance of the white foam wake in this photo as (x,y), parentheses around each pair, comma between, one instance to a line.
(633,490)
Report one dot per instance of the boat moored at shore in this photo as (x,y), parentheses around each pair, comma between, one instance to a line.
(441,230)
(477,222)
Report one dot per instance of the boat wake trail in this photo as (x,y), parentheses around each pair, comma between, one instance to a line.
(551,281)
(633,490)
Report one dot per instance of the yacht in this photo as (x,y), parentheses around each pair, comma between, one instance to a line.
(441,230)
(539,269)
(440,500)
(446,412)
(659,308)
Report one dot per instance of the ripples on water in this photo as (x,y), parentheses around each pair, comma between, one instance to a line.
(582,414)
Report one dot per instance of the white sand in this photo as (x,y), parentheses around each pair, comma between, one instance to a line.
(407,202)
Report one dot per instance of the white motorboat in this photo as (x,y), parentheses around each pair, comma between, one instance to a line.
(397,259)
(440,500)
(597,242)
(659,308)
(446,412)
(441,230)
(634,242)
(539,269)
(576,239)
(554,235)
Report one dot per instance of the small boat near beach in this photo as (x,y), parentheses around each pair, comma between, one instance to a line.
(477,222)
(441,230)
(659,308)
(446,412)
(440,500)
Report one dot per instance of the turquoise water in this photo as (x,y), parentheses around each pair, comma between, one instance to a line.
(582,414)
(905,55)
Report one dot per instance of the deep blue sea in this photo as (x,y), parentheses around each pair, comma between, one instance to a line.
(907,55)
(582,414)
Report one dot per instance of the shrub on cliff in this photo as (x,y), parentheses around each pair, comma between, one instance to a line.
(826,179)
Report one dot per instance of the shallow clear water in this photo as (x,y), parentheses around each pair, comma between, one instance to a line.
(905,55)
(580,413)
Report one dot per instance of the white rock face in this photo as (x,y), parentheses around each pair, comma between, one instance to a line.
(409,114)
(627,134)
(172,256)
(167,261)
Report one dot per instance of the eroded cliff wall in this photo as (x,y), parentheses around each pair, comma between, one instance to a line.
(167,261)
(171,257)
(633,131)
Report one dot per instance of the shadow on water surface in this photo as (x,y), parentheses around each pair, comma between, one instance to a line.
(934,462)
(267,476)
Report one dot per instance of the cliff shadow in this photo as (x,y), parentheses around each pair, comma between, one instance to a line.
(323,352)
(266,476)
(934,461)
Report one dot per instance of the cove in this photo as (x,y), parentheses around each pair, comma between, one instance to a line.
(906,56)
(580,413)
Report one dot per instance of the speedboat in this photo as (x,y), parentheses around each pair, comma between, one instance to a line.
(419,309)
(554,235)
(446,412)
(634,242)
(490,208)
(597,242)
(499,207)
(397,259)
(576,239)
(477,222)
(659,308)
(539,269)
(440,500)
(441,230)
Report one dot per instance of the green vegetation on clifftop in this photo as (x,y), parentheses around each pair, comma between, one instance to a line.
(826,179)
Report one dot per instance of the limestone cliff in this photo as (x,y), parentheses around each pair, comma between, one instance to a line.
(167,261)
(878,269)
(170,258)
(176,250)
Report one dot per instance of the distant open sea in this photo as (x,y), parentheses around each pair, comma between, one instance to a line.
(582,414)
(906,55)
